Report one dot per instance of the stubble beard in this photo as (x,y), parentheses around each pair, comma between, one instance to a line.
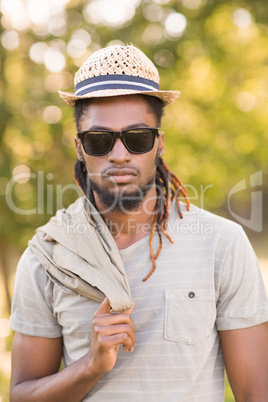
(122,200)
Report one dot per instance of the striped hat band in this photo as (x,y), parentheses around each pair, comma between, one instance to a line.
(116,71)
(115,81)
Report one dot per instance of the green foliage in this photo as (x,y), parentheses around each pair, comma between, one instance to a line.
(229,396)
(4,387)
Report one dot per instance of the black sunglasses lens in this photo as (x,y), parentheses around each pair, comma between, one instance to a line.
(96,143)
(139,141)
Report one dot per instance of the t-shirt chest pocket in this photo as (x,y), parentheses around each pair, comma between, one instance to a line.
(188,315)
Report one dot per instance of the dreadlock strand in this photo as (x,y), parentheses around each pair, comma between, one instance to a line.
(158,218)
(160,201)
(179,208)
(80,175)
(167,199)
(166,234)
(164,176)
(151,252)
(160,242)
(179,186)
(82,179)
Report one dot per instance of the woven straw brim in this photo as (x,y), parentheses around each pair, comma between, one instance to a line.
(168,97)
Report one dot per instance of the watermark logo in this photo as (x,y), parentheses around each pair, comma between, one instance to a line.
(254,222)
(49,197)
(198,226)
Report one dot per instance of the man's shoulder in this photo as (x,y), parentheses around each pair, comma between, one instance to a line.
(29,265)
(200,221)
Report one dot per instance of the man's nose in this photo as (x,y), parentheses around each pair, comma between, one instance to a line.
(119,153)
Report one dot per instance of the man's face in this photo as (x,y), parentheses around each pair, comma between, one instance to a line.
(120,179)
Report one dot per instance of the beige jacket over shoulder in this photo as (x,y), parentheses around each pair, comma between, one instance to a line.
(78,250)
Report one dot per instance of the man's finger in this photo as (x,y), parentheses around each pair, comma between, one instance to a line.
(131,309)
(105,307)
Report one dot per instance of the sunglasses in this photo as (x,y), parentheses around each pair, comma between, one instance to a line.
(101,142)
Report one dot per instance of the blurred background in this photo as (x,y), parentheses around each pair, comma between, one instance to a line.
(215,52)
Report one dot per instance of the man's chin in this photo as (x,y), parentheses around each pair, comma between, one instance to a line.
(116,202)
(122,199)
(122,189)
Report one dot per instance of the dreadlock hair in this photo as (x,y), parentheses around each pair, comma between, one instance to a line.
(168,186)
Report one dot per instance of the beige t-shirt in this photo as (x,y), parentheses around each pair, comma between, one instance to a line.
(207,281)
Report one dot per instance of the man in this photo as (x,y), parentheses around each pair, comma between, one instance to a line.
(199,298)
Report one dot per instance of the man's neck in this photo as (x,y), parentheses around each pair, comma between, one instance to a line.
(127,228)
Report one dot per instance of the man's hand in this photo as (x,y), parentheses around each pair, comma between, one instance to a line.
(109,331)
(35,360)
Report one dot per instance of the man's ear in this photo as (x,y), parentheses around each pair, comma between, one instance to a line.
(79,152)
(161,144)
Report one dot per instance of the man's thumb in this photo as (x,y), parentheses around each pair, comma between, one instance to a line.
(105,307)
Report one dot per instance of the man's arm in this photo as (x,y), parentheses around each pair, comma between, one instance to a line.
(36,360)
(245,353)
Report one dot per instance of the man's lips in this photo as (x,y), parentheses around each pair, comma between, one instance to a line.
(120,176)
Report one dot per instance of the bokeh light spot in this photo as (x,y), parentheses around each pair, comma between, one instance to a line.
(175,24)
(38,11)
(153,12)
(245,143)
(161,1)
(15,14)
(36,150)
(23,192)
(242,18)
(56,81)
(115,42)
(10,39)
(78,44)
(245,101)
(153,34)
(29,109)
(37,52)
(54,60)
(263,87)
(164,58)
(110,12)
(19,144)
(57,25)
(192,4)
(51,114)
(4,328)
(21,173)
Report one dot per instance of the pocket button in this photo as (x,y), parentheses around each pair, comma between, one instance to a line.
(191,295)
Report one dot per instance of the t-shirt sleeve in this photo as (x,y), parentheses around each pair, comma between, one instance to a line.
(242,298)
(32,304)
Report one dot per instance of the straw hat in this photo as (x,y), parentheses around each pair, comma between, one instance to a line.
(117,70)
